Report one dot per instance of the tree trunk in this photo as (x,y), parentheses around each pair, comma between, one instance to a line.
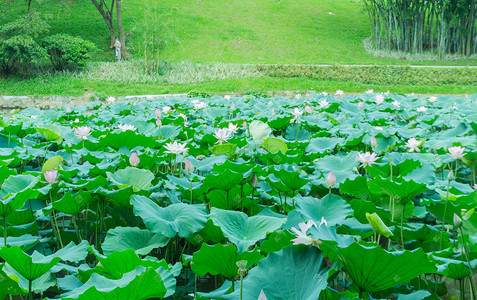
(107,14)
(125,54)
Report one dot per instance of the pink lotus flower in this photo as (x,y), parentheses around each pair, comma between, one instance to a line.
(51,176)
(68,110)
(223,134)
(189,167)
(413,145)
(308,109)
(158,123)
(361,105)
(370,91)
(110,100)
(366,159)
(330,180)
(456,152)
(158,113)
(134,160)
(83,132)
(244,124)
(176,148)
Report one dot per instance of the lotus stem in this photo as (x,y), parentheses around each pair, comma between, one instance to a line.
(241,285)
(76,228)
(54,224)
(444,217)
(5,234)
(190,179)
(466,252)
(402,223)
(30,294)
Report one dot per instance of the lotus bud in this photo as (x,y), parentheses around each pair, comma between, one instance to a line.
(158,113)
(450,176)
(361,105)
(232,107)
(457,220)
(244,124)
(134,160)
(68,109)
(308,109)
(262,296)
(76,120)
(189,167)
(330,180)
(50,176)
(374,143)
(158,123)
(254,181)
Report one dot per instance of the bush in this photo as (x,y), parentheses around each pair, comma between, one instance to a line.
(19,49)
(18,54)
(68,52)
(198,94)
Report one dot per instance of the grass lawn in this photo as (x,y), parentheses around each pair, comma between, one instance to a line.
(234,31)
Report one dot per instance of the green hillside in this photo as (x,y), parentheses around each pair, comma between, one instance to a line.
(234,31)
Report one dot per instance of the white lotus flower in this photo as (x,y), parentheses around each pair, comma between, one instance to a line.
(324,104)
(380,128)
(308,109)
(33,117)
(227,97)
(421,109)
(83,132)
(454,107)
(339,93)
(379,99)
(456,152)
(126,127)
(195,101)
(176,148)
(301,235)
(183,116)
(297,114)
(371,91)
(324,93)
(475,186)
(366,159)
(110,100)
(297,96)
(262,296)
(232,128)
(200,105)
(432,99)
(413,145)
(166,109)
(223,134)
(396,103)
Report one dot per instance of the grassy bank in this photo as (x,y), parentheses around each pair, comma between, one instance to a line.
(235,31)
(128,79)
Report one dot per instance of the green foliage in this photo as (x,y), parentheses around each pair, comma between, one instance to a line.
(197,94)
(67,52)
(19,48)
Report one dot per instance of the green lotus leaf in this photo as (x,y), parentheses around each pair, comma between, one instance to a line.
(341,166)
(176,219)
(402,192)
(139,284)
(140,240)
(242,230)
(128,139)
(273,145)
(374,269)
(138,179)
(223,181)
(224,149)
(220,259)
(378,226)
(259,130)
(293,273)
(51,132)
(454,269)
(28,266)
(52,163)
(73,204)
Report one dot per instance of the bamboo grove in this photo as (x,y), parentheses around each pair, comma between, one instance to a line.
(438,27)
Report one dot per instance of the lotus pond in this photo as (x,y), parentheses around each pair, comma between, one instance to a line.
(317,197)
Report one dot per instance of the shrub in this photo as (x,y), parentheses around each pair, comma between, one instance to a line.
(68,52)
(19,49)
(198,94)
(18,54)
